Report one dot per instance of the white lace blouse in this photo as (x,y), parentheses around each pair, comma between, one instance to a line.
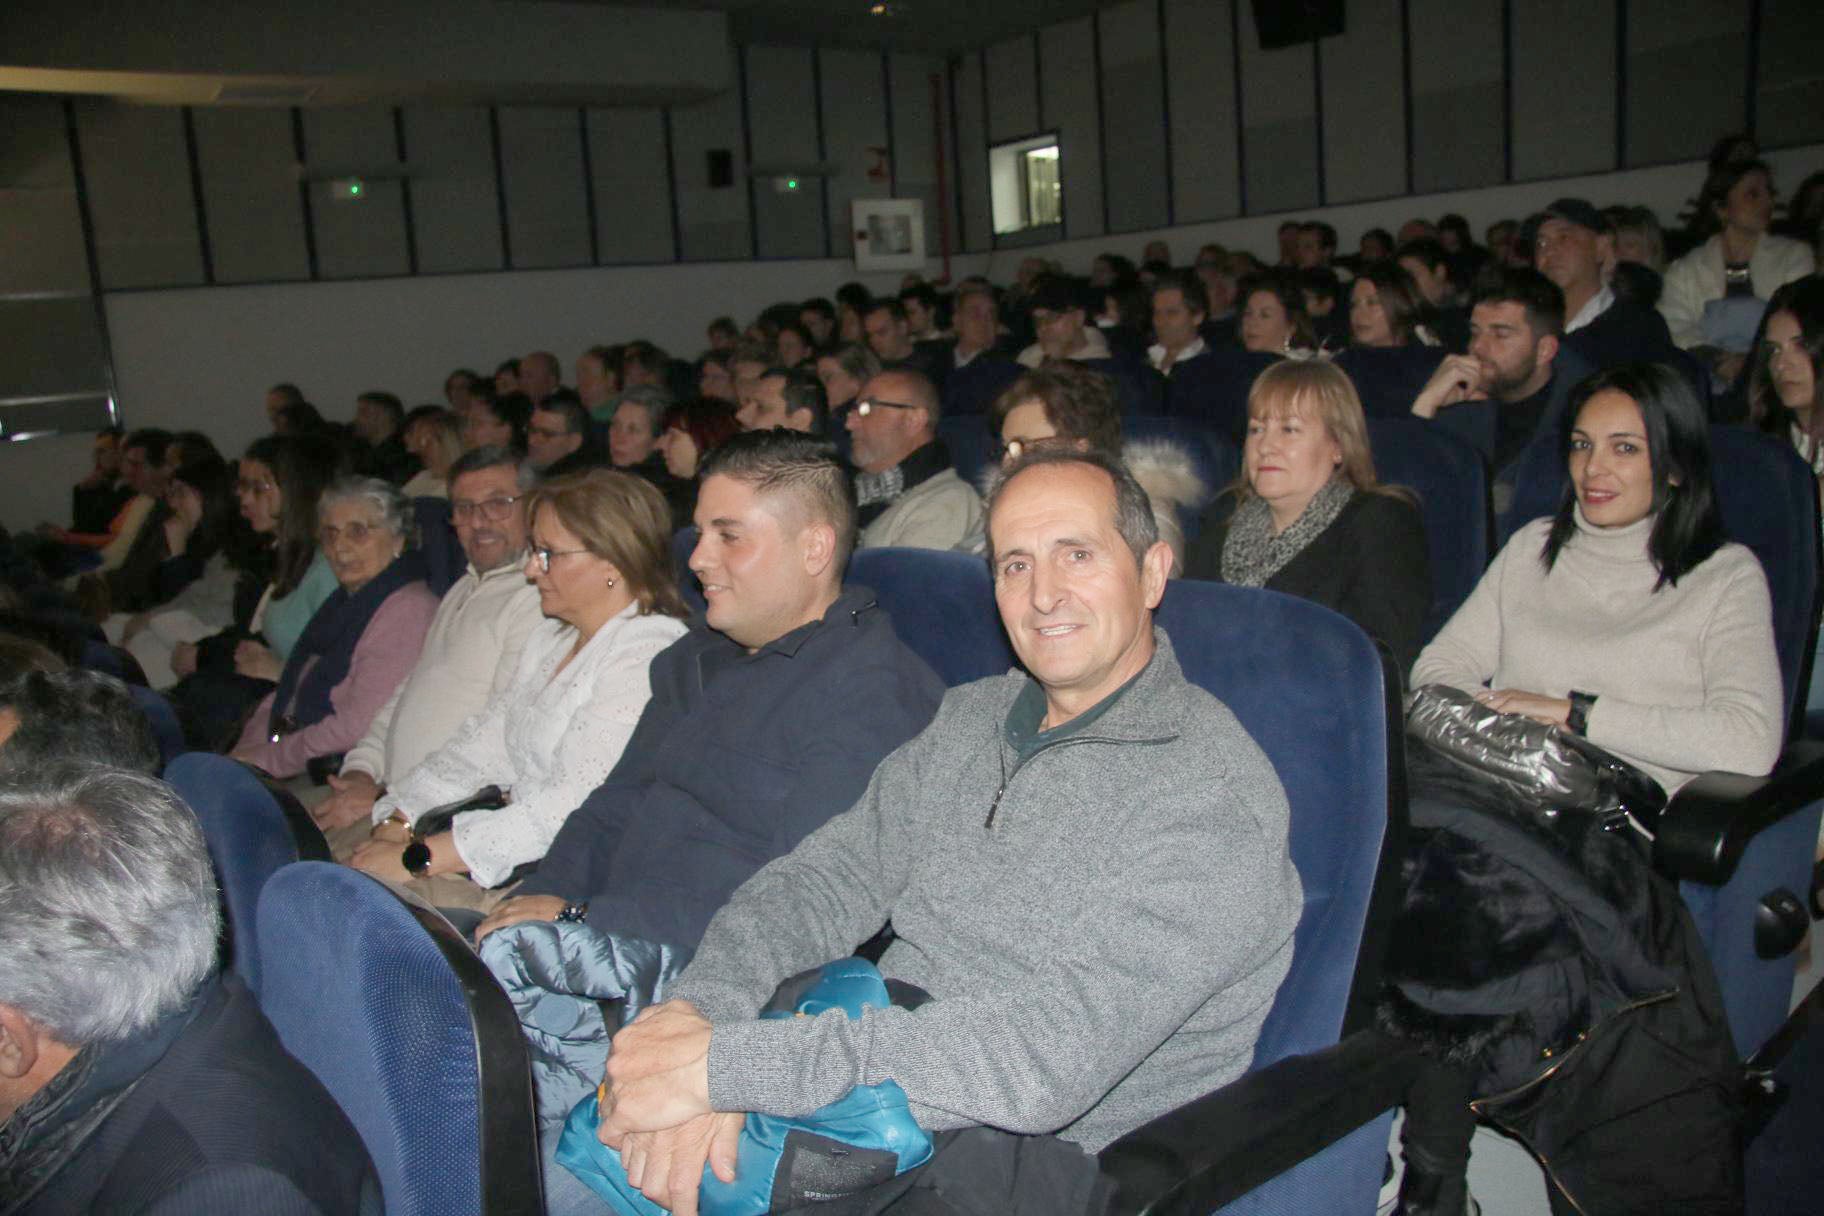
(549,740)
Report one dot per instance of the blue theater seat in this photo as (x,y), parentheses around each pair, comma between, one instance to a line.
(942,607)
(1452,484)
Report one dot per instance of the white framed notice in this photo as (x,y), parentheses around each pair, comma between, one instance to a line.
(889,233)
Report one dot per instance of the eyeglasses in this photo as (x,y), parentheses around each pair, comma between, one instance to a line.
(357,532)
(1013,448)
(867,405)
(245,486)
(491,509)
(543,557)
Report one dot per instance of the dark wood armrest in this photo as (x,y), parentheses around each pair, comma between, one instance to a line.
(1218,1148)
(1708,825)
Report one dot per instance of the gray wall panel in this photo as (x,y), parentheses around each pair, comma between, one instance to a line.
(1013,90)
(1561,124)
(364,236)
(1133,117)
(1067,51)
(632,196)
(1790,98)
(42,250)
(1364,121)
(1279,112)
(541,155)
(455,203)
(1199,49)
(714,219)
(915,149)
(1687,74)
(250,187)
(972,155)
(138,175)
(782,120)
(1457,98)
(855,121)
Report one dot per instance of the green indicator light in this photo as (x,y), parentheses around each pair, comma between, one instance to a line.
(791,183)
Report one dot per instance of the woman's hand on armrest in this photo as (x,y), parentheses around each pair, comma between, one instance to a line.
(1553,711)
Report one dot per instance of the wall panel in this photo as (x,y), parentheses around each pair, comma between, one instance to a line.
(137,169)
(713,219)
(1200,59)
(1364,119)
(364,236)
(972,154)
(1068,55)
(1561,124)
(855,134)
(455,199)
(1789,98)
(541,157)
(248,163)
(1279,115)
(1458,105)
(782,122)
(1133,117)
(916,143)
(632,194)
(1013,89)
(1687,76)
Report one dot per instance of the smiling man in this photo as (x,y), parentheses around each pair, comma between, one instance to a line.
(1086,869)
(470,652)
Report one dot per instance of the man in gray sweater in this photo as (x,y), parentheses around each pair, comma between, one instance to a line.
(1087,871)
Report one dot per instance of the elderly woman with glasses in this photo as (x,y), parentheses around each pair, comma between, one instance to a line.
(1064,404)
(601,560)
(360,644)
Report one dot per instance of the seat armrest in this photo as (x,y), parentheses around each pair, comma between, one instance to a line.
(1223,1145)
(1707,826)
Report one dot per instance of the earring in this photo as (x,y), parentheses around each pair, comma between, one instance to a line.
(611,582)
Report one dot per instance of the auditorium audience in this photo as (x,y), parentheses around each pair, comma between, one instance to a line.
(141,1080)
(597,380)
(601,560)
(1179,311)
(1058,316)
(979,366)
(790,397)
(1715,295)
(1787,375)
(498,421)
(75,716)
(1062,405)
(843,372)
(716,376)
(540,375)
(794,345)
(889,335)
(99,496)
(1428,265)
(906,491)
(1574,247)
(378,427)
(472,648)
(1308,517)
(1273,318)
(358,646)
(141,472)
(558,438)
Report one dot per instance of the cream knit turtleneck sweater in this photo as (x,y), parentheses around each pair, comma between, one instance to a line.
(1686,677)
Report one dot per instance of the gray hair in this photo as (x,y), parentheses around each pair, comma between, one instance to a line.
(78,716)
(653,399)
(1134,518)
(109,918)
(382,498)
(493,456)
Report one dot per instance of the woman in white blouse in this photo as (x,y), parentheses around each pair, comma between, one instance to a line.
(601,560)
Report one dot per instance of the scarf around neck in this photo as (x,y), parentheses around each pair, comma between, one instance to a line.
(330,638)
(1251,554)
(875,492)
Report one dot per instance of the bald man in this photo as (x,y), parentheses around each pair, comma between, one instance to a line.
(906,490)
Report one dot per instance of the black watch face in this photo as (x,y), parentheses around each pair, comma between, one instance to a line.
(417,857)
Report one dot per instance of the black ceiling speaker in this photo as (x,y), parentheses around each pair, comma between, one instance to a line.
(1284,23)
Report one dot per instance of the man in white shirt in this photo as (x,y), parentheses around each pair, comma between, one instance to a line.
(472,649)
(1179,310)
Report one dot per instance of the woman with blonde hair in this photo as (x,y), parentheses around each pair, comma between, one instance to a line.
(601,560)
(1308,517)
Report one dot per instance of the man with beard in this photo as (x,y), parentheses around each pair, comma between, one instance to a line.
(1517,360)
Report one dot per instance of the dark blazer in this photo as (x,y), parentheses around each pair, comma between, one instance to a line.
(1370,564)
(1214,387)
(972,388)
(1389,378)
(736,758)
(1623,333)
(225,1122)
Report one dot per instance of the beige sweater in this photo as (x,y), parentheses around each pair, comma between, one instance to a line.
(1686,677)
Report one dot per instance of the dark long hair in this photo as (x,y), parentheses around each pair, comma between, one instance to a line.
(302,465)
(1687,527)
(1804,299)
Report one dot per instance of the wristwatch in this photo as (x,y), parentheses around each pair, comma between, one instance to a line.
(1579,717)
(574,914)
(416,858)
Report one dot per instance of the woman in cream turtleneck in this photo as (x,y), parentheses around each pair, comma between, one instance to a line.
(1627,617)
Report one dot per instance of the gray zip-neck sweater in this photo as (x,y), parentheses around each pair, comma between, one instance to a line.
(1102,952)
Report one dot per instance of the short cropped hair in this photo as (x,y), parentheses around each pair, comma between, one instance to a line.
(781,461)
(575,418)
(804,391)
(75,716)
(1539,296)
(1187,284)
(1133,509)
(1080,403)
(109,920)
(1326,235)
(394,408)
(493,456)
(888,305)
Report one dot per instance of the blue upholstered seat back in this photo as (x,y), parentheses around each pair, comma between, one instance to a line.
(970,442)
(942,606)
(165,727)
(444,560)
(249,841)
(360,993)
(1448,476)
(1307,685)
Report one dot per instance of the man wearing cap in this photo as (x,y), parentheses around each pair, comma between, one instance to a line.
(1574,245)
(1058,321)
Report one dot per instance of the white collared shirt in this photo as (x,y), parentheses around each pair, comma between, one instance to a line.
(1592,308)
(1156,355)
